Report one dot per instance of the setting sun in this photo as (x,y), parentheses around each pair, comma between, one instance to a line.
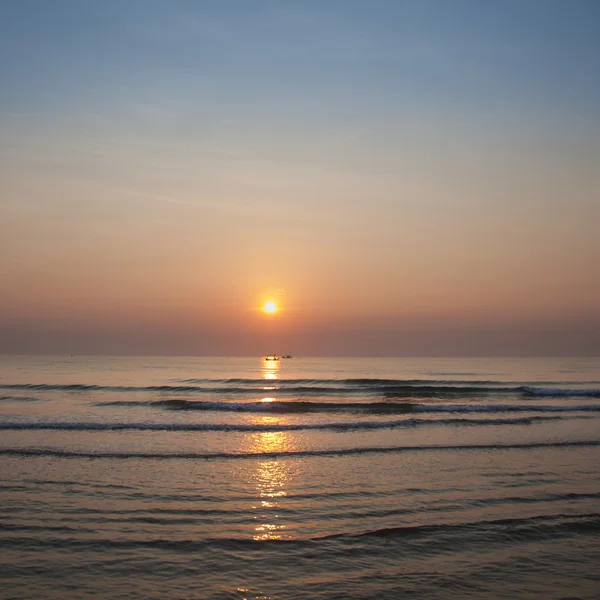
(270,307)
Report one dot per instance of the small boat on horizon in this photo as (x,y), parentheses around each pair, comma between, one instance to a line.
(272,357)
(287,356)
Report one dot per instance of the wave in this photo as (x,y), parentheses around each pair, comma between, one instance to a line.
(352,381)
(84,387)
(301,407)
(378,381)
(18,399)
(558,392)
(493,408)
(587,523)
(60,453)
(281,388)
(341,426)
(273,407)
(536,527)
(324,387)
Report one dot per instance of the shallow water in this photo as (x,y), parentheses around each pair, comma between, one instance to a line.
(304,478)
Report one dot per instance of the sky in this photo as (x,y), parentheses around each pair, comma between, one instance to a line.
(402,177)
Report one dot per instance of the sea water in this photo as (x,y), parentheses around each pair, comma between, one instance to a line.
(299,478)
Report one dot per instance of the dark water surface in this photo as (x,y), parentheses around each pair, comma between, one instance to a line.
(304,478)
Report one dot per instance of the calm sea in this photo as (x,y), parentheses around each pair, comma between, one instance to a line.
(181,478)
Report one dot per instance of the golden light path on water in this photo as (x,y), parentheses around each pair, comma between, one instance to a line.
(271,478)
(270,369)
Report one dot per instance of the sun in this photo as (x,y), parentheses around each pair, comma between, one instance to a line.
(270,307)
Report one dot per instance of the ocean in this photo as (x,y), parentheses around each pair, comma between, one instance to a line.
(327,478)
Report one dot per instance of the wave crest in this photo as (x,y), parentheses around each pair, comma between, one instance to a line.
(336,426)
(55,452)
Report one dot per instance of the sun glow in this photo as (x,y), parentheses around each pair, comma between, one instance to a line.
(270,307)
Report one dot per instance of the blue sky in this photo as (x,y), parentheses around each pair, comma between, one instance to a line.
(512,54)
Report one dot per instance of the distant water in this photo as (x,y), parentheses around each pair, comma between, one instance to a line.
(234,478)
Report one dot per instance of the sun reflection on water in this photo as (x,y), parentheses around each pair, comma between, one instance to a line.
(271,480)
(270,369)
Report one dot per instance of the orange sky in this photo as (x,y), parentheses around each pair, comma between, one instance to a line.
(436,193)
